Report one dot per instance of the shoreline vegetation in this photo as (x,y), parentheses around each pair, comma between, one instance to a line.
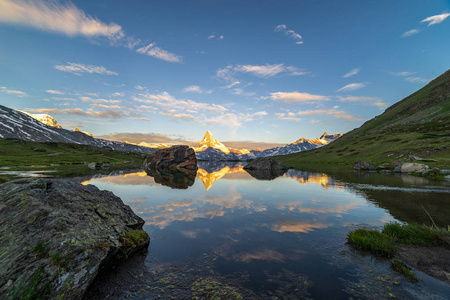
(405,245)
(61,159)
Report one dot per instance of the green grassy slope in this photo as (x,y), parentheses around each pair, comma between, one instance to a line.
(417,125)
(64,159)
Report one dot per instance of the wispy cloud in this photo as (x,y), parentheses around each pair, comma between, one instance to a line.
(436,19)
(77,69)
(264,71)
(54,92)
(99,100)
(296,97)
(139,87)
(352,72)
(200,112)
(213,36)
(410,78)
(108,114)
(374,101)
(402,73)
(417,80)
(13,92)
(329,112)
(290,116)
(352,87)
(159,53)
(56,17)
(410,32)
(196,89)
(290,33)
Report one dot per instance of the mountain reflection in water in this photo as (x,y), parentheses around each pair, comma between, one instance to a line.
(262,237)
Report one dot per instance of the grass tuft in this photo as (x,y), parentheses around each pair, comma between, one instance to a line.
(373,241)
(402,268)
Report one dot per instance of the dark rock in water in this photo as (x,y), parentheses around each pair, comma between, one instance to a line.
(266,174)
(173,178)
(56,234)
(265,163)
(266,168)
(361,165)
(174,158)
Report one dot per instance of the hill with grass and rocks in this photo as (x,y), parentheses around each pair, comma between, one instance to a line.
(415,128)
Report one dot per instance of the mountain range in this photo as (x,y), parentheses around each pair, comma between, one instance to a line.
(211,149)
(20,125)
(44,128)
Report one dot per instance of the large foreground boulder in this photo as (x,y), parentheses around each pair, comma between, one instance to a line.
(179,157)
(56,234)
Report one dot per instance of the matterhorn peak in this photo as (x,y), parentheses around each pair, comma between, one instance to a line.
(209,141)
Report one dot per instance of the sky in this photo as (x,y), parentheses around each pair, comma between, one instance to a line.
(255,73)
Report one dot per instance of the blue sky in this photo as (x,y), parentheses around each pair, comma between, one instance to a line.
(267,72)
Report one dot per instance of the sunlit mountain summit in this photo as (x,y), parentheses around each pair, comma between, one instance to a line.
(209,141)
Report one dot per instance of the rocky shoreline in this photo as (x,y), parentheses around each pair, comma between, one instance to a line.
(55,236)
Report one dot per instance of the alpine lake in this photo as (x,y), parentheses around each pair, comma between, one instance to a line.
(225,234)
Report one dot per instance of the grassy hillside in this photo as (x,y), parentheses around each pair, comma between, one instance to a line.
(417,125)
(63,159)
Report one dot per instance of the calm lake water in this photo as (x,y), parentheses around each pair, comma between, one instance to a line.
(226,234)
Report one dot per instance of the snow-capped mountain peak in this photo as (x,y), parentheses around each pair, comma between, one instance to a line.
(209,141)
(44,118)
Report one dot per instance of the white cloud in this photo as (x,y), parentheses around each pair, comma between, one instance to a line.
(352,87)
(290,33)
(166,100)
(13,92)
(417,80)
(200,112)
(264,71)
(374,101)
(402,73)
(139,87)
(410,32)
(296,97)
(159,53)
(108,114)
(77,69)
(329,112)
(54,92)
(53,16)
(436,19)
(288,117)
(118,94)
(352,72)
(196,89)
(88,99)
(213,36)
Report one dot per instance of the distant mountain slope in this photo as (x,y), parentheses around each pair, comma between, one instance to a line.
(418,125)
(15,124)
(211,149)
